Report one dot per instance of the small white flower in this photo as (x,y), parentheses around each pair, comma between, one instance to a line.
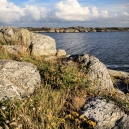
(7,121)
(3,108)
(33,108)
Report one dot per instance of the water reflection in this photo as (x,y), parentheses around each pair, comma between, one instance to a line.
(110,47)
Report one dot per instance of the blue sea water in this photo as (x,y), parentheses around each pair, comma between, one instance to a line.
(112,48)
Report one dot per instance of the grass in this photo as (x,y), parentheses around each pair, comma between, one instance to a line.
(63,86)
(58,101)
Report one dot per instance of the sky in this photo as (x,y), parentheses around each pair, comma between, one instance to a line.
(64,13)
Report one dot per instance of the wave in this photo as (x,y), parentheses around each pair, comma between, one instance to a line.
(124,67)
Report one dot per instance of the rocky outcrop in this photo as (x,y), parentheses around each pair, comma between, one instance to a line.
(11,36)
(120,79)
(105,114)
(61,53)
(15,49)
(17,79)
(97,74)
(42,45)
(18,40)
(119,74)
(77,29)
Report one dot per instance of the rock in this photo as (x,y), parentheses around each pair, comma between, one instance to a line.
(11,36)
(15,49)
(81,30)
(121,74)
(86,30)
(105,115)
(66,31)
(71,30)
(120,79)
(93,30)
(61,53)
(76,31)
(98,77)
(123,123)
(17,79)
(57,30)
(42,45)
(52,30)
(61,30)
(19,40)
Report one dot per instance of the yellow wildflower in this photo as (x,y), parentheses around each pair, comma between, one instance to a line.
(53,124)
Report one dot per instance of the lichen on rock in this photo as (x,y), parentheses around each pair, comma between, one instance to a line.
(17,79)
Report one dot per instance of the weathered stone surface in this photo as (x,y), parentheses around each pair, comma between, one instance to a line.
(11,36)
(15,49)
(57,30)
(97,73)
(123,123)
(118,73)
(42,45)
(86,30)
(106,115)
(52,30)
(121,80)
(61,30)
(76,31)
(61,53)
(37,43)
(17,79)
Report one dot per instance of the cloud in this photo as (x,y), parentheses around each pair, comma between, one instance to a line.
(71,10)
(63,11)
(104,14)
(95,12)
(10,13)
(33,13)
(125,14)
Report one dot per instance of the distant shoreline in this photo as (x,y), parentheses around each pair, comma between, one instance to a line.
(78,29)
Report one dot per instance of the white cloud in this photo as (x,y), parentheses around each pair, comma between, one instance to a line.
(95,12)
(10,13)
(33,13)
(71,10)
(125,14)
(62,11)
(104,14)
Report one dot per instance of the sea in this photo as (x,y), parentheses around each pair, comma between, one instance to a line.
(111,48)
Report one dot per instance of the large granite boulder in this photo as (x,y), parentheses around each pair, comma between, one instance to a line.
(19,40)
(11,36)
(42,45)
(106,115)
(17,79)
(98,76)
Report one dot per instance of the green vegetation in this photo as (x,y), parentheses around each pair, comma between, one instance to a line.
(58,101)
(53,104)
